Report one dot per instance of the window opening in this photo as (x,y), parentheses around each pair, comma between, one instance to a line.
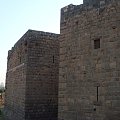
(53,59)
(97,92)
(96,43)
(76,22)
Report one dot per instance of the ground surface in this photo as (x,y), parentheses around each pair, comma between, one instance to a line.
(1,114)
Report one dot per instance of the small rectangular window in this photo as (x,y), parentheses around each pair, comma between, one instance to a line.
(96,43)
(53,59)
(97,92)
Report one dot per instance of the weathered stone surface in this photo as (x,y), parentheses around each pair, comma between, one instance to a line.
(89,77)
(32,77)
(89,67)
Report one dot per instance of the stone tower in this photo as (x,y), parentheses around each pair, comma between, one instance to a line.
(89,70)
(32,77)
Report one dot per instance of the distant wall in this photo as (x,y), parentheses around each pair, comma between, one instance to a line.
(16,81)
(32,77)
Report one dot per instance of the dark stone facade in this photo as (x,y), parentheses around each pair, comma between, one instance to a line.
(89,70)
(32,78)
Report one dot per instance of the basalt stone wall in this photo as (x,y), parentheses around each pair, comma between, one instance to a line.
(42,76)
(16,81)
(89,70)
(32,78)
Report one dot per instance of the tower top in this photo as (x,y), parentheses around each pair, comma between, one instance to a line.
(95,3)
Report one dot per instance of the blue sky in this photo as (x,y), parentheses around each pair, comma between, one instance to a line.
(17,16)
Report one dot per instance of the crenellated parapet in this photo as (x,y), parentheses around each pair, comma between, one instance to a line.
(72,10)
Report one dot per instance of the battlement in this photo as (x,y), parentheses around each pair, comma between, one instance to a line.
(96,3)
(72,10)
